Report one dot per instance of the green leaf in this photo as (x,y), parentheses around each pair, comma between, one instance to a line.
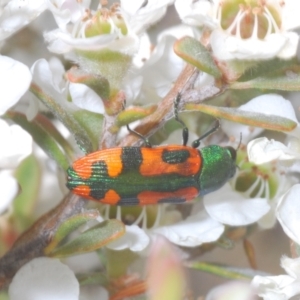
(99,279)
(133,114)
(223,271)
(47,125)
(41,137)
(111,65)
(28,175)
(91,239)
(283,81)
(98,84)
(268,67)
(265,121)
(92,124)
(69,226)
(63,113)
(193,52)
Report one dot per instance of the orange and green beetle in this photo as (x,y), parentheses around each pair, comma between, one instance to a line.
(146,175)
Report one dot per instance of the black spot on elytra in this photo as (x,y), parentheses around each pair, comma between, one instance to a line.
(173,200)
(129,201)
(99,181)
(175,156)
(131,158)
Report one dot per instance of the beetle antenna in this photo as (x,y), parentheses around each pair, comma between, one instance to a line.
(196,143)
(185,130)
(238,147)
(146,141)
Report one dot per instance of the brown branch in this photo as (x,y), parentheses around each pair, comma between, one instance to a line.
(31,243)
(164,111)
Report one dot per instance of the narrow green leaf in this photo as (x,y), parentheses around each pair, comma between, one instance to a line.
(47,125)
(92,124)
(28,175)
(268,67)
(265,121)
(132,114)
(69,226)
(222,270)
(92,239)
(98,84)
(286,81)
(41,137)
(63,114)
(193,52)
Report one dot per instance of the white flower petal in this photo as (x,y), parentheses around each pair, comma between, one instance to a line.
(275,287)
(62,42)
(18,145)
(17,14)
(229,207)
(271,104)
(160,71)
(291,266)
(8,189)
(196,13)
(134,239)
(235,290)
(44,278)
(193,231)
(262,151)
(228,47)
(15,79)
(288,213)
(235,130)
(289,18)
(291,45)
(140,14)
(84,97)
(48,78)
(269,220)
(283,286)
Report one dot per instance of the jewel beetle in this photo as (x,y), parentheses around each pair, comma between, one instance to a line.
(151,175)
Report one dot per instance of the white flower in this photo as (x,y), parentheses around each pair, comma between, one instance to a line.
(288,213)
(44,278)
(15,79)
(9,189)
(17,14)
(17,145)
(246,30)
(195,230)
(280,157)
(233,290)
(235,209)
(280,287)
(94,30)
(49,76)
(141,14)
(154,79)
(268,180)
(134,239)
